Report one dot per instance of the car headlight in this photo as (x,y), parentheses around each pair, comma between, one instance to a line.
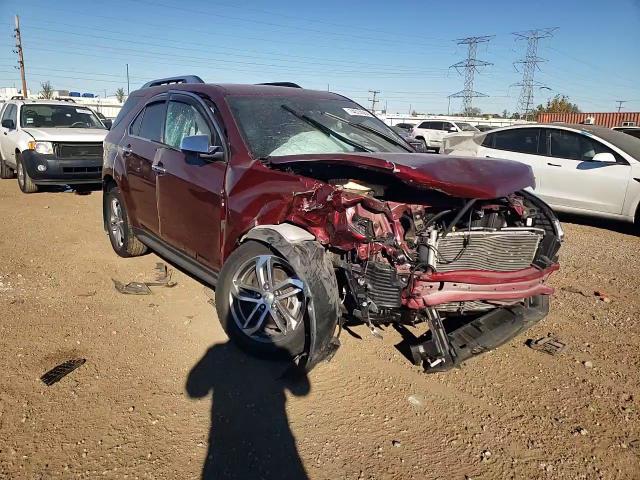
(45,148)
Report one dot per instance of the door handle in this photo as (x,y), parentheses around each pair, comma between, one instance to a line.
(553,164)
(158,168)
(127,151)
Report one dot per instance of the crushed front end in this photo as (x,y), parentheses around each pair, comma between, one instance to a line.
(474,269)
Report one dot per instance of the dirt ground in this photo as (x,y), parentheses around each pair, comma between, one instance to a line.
(163,395)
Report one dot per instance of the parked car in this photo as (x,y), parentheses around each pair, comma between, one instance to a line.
(406,135)
(484,128)
(50,143)
(105,121)
(633,131)
(405,126)
(431,132)
(304,210)
(579,168)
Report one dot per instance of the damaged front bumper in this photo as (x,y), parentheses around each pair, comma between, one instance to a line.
(443,349)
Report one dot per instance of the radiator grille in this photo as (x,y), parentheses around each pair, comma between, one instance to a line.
(502,251)
(76,150)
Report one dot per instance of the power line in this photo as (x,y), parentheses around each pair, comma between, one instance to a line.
(529,66)
(470,66)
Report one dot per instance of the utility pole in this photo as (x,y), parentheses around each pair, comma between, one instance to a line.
(470,67)
(20,56)
(374,100)
(529,66)
(127,79)
(620,102)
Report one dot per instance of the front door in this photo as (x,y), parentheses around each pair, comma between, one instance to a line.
(191,189)
(574,180)
(9,136)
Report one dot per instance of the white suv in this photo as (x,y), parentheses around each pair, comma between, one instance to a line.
(431,132)
(49,142)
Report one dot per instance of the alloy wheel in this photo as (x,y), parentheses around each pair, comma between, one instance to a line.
(267,298)
(116,222)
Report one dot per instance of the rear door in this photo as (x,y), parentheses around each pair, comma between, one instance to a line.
(525,145)
(574,180)
(141,145)
(191,189)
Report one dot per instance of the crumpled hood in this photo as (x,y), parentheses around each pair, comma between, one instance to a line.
(67,134)
(465,177)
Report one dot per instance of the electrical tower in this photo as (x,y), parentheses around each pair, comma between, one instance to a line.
(529,64)
(18,50)
(470,67)
(620,102)
(374,100)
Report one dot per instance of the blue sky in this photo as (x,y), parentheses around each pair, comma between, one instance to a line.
(403,49)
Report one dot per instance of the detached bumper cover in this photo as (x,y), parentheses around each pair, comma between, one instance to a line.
(62,171)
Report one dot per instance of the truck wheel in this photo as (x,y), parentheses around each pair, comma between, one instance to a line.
(264,301)
(5,170)
(123,241)
(24,180)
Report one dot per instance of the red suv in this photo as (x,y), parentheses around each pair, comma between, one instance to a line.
(303,211)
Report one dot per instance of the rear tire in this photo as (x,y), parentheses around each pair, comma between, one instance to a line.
(240,297)
(24,180)
(5,170)
(121,235)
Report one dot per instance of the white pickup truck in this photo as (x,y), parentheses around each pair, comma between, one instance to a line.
(431,132)
(48,142)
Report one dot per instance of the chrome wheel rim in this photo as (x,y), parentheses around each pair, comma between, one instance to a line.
(116,222)
(267,299)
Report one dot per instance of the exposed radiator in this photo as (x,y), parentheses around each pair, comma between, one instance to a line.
(503,251)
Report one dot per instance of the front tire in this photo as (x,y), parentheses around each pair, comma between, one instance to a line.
(24,180)
(5,170)
(121,235)
(265,302)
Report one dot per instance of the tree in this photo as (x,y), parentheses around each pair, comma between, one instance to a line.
(505,114)
(120,95)
(515,116)
(47,90)
(557,104)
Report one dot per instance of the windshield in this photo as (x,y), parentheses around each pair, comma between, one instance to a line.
(466,127)
(58,116)
(272,126)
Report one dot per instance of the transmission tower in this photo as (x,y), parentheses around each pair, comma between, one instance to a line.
(528,65)
(470,67)
(374,100)
(620,102)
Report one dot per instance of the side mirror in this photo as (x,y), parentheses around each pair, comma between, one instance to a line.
(453,129)
(8,123)
(199,144)
(605,157)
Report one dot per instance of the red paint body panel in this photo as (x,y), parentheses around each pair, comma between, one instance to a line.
(463,177)
(490,277)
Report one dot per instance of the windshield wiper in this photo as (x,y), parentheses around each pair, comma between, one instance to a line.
(324,129)
(370,130)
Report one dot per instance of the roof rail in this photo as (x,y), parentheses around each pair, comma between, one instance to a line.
(17,97)
(170,80)
(282,84)
(60,99)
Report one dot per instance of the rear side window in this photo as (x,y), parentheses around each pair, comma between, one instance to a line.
(150,126)
(521,140)
(424,125)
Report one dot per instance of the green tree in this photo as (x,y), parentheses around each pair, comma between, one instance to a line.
(505,114)
(120,95)
(47,90)
(557,104)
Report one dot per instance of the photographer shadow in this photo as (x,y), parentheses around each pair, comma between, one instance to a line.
(249,436)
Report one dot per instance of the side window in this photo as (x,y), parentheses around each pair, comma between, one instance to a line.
(11,113)
(184,120)
(571,145)
(134,129)
(488,140)
(521,140)
(446,126)
(131,102)
(424,125)
(152,121)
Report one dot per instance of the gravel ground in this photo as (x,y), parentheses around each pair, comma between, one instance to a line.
(164,395)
